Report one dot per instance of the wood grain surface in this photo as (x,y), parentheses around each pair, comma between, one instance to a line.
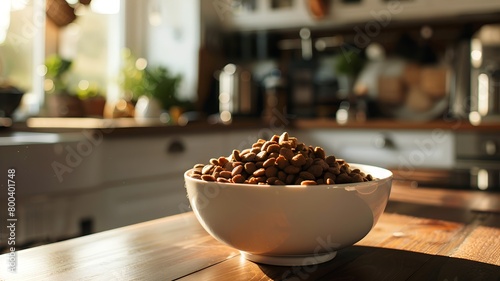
(411,241)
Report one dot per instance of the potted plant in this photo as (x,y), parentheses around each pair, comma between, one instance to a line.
(162,85)
(60,101)
(93,101)
(152,89)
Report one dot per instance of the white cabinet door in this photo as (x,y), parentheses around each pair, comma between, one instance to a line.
(142,157)
(145,175)
(393,149)
(142,201)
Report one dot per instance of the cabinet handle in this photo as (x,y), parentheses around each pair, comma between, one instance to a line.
(176,146)
(384,142)
(490,147)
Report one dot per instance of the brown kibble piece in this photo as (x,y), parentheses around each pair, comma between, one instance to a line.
(330,160)
(281,162)
(319,152)
(309,162)
(255,150)
(207,178)
(248,157)
(343,178)
(292,169)
(236,155)
(271,172)
(269,162)
(214,162)
(334,171)
(250,167)
(253,180)
(261,156)
(271,180)
(290,179)
(259,172)
(356,177)
(298,160)
(222,161)
(287,153)
(306,175)
(237,170)
(308,182)
(282,176)
(316,170)
(223,180)
(273,148)
(207,169)
(283,138)
(196,176)
(228,166)
(273,155)
(238,179)
(226,174)
(322,163)
(345,169)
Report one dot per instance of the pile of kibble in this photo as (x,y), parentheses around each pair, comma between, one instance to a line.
(279,161)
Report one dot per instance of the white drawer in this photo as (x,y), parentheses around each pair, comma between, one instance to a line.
(403,149)
(128,158)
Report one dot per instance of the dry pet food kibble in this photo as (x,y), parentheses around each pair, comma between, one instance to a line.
(279,161)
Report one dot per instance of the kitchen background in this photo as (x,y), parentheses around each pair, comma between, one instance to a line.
(165,84)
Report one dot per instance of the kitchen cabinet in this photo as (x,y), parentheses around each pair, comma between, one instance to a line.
(138,200)
(47,162)
(52,217)
(143,175)
(402,149)
(50,170)
(126,179)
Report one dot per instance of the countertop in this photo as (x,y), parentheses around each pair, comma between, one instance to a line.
(422,235)
(132,126)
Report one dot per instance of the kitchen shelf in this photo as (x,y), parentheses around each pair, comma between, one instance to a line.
(129,126)
(387,124)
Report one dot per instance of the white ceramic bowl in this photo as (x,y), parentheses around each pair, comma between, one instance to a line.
(290,224)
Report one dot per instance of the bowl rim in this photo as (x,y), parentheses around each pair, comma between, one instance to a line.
(319,186)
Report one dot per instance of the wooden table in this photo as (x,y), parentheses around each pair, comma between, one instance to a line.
(420,240)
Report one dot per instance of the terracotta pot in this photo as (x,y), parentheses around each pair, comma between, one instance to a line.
(94,106)
(64,105)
